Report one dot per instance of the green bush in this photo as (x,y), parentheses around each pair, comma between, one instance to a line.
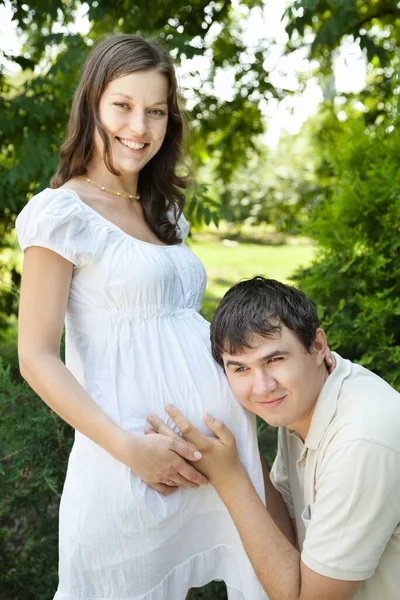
(355,280)
(34,450)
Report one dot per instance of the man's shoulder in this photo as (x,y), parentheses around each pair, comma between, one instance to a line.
(360,376)
(368,408)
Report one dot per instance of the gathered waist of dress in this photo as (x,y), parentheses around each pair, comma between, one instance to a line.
(129,314)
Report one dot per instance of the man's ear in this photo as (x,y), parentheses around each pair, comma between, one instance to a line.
(320,345)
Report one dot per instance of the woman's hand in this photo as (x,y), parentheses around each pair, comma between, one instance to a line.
(220,461)
(161,462)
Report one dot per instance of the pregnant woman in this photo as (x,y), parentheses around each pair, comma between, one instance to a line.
(104,250)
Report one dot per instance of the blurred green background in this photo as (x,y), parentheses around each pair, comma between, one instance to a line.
(293,113)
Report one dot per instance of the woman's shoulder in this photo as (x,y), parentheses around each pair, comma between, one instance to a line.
(55,218)
(47,201)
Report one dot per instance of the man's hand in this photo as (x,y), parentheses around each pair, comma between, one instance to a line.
(220,461)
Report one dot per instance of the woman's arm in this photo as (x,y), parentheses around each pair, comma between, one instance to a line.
(44,294)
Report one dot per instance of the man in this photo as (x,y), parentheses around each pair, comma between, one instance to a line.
(338,463)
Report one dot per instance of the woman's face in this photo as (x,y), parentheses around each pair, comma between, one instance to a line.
(134,111)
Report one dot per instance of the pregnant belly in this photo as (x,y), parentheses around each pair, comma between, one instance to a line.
(166,362)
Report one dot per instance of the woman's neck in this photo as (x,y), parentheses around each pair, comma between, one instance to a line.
(119,183)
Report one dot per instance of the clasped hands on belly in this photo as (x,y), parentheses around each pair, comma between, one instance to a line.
(161,460)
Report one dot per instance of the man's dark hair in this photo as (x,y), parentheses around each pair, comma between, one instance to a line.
(260,307)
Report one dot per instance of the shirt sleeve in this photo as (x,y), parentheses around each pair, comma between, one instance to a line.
(356,511)
(57,220)
(279,473)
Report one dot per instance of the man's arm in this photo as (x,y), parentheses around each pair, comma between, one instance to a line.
(275,559)
(277,508)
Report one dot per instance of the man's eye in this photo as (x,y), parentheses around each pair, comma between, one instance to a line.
(240,369)
(275,359)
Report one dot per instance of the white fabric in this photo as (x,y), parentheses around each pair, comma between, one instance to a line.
(342,484)
(135,341)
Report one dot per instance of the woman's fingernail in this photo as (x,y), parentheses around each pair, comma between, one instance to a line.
(209,419)
(197,454)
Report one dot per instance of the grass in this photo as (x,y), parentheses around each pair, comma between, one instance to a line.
(227,263)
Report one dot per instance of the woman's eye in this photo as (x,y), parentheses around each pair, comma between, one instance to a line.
(121,104)
(157,112)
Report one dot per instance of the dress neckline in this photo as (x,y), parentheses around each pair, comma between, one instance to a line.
(114,226)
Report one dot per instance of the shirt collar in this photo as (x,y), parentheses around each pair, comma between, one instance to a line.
(326,404)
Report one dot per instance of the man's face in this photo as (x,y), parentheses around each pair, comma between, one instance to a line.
(278,379)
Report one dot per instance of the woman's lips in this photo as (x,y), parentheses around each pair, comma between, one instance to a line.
(133,150)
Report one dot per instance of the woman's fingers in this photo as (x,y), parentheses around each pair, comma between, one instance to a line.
(179,480)
(149,430)
(189,473)
(164,489)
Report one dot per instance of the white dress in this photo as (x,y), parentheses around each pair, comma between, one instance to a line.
(135,341)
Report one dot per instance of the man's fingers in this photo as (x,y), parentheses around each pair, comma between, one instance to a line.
(160,427)
(220,430)
(190,432)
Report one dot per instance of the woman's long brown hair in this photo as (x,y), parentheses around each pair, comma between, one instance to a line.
(160,186)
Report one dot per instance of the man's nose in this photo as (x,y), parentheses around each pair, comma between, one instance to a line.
(263,383)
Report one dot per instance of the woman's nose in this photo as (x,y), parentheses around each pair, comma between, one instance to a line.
(138,122)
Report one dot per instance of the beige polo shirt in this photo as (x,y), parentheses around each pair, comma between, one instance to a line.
(342,485)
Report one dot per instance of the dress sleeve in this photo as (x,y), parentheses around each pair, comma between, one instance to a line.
(58,220)
(183,227)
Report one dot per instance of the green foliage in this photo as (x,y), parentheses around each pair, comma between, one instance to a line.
(9,282)
(355,280)
(331,20)
(283,187)
(34,449)
(375,26)
(200,208)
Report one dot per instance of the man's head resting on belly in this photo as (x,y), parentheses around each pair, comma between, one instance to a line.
(266,336)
